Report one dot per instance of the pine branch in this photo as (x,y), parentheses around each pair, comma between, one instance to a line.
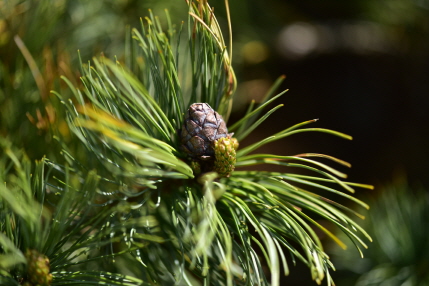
(136,196)
(67,236)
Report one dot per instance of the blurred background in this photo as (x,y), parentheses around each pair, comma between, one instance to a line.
(360,66)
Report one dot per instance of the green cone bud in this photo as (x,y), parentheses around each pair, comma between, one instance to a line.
(225,155)
(196,167)
(38,268)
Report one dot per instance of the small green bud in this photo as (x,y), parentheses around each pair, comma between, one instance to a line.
(196,167)
(38,268)
(225,155)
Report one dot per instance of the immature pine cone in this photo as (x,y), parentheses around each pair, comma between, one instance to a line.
(38,268)
(225,155)
(202,126)
(206,139)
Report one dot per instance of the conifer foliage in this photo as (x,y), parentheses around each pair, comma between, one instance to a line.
(133,207)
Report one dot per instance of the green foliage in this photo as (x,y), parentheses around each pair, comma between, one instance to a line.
(64,221)
(398,256)
(128,209)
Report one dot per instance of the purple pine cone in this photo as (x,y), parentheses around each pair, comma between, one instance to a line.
(202,126)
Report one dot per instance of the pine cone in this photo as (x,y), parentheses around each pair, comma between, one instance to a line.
(206,139)
(202,126)
(225,155)
(38,268)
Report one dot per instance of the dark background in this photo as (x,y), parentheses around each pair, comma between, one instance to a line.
(363,71)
